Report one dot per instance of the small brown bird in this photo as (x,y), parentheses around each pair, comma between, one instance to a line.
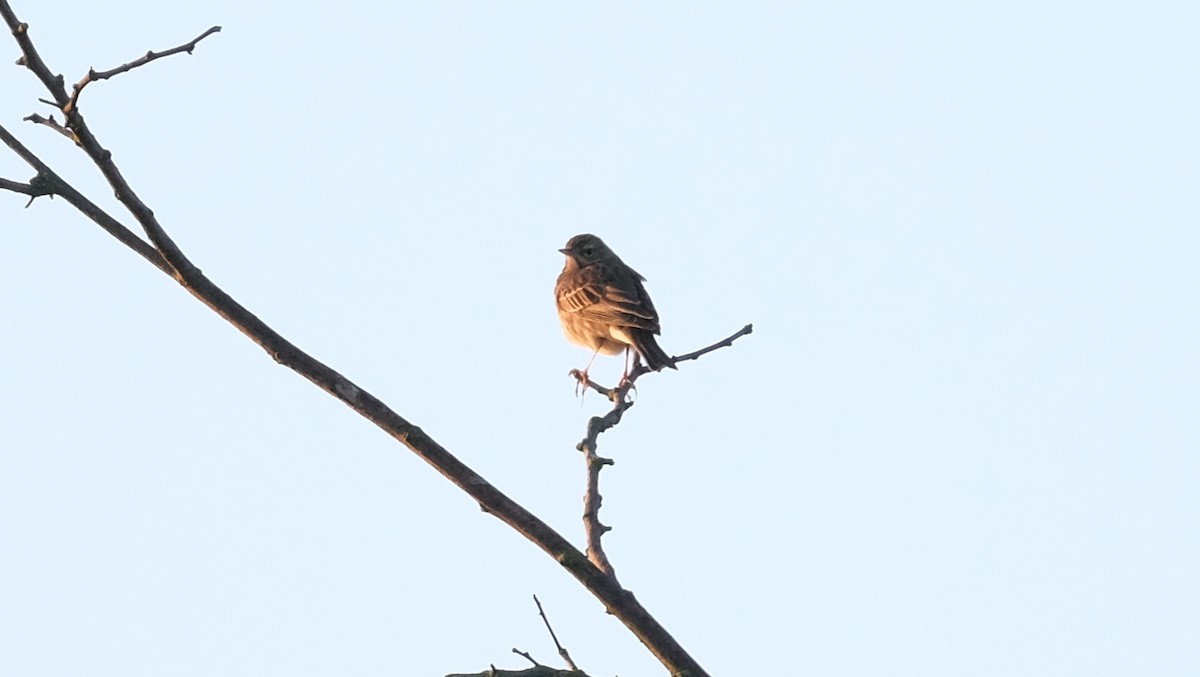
(603,305)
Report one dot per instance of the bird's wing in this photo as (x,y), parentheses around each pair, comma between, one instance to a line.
(597,293)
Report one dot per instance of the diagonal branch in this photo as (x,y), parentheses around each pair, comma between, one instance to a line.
(93,75)
(49,183)
(562,651)
(184,270)
(723,343)
(52,124)
(618,601)
(29,54)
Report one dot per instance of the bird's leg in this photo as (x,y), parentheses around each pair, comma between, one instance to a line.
(629,368)
(625,384)
(581,377)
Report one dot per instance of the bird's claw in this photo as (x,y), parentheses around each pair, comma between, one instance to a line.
(581,382)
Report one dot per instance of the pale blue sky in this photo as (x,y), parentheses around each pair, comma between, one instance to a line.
(961,441)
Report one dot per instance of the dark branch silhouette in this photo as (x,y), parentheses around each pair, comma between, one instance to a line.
(162,252)
(536,671)
(562,652)
(526,656)
(93,76)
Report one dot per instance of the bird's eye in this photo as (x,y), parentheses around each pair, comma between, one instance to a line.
(588,250)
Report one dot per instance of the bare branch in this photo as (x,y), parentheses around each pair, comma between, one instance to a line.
(23,188)
(724,343)
(37,187)
(593,529)
(29,54)
(93,75)
(183,270)
(527,657)
(639,368)
(52,124)
(49,183)
(537,671)
(561,651)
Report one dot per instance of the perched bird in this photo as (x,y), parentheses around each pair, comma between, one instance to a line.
(603,305)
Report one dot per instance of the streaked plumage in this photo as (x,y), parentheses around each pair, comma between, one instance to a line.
(603,305)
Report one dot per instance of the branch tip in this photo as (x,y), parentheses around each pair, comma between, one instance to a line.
(93,75)
(527,657)
(562,652)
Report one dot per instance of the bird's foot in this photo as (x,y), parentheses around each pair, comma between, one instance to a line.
(581,381)
(624,387)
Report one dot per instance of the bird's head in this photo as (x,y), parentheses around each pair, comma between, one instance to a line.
(586,248)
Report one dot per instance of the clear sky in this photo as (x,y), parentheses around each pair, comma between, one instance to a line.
(961,441)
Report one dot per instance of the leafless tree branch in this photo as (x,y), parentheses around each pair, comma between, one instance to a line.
(18,187)
(723,343)
(52,124)
(49,183)
(36,188)
(561,651)
(527,657)
(167,257)
(593,529)
(93,75)
(537,671)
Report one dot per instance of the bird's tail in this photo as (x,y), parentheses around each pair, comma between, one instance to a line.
(648,348)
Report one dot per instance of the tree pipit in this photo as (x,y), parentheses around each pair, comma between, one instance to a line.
(603,305)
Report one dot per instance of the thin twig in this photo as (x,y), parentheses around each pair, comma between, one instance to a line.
(527,657)
(561,651)
(535,671)
(639,368)
(724,343)
(52,124)
(93,75)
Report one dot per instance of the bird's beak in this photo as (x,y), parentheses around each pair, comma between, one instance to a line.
(565,251)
